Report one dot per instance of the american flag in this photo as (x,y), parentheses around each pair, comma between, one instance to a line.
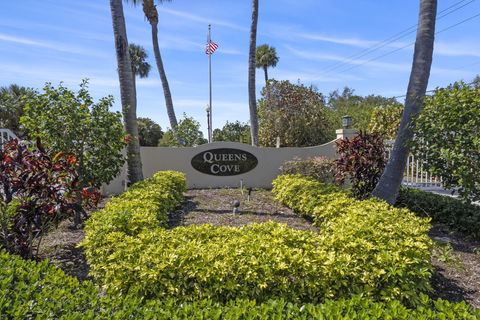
(211,47)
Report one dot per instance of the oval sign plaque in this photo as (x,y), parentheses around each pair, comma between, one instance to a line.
(224,162)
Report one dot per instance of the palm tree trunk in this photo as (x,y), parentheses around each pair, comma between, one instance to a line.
(151,13)
(266,74)
(166,88)
(127,92)
(252,100)
(389,184)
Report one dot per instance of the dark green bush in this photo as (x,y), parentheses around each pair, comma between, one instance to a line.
(354,308)
(379,250)
(458,215)
(319,168)
(30,290)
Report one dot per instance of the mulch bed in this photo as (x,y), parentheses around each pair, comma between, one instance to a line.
(457,267)
(215,206)
(457,270)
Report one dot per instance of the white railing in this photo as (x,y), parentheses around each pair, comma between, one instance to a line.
(6,135)
(415,175)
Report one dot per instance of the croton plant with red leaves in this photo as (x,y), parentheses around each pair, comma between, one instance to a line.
(40,187)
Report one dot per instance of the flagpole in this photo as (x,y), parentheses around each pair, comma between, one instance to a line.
(210,129)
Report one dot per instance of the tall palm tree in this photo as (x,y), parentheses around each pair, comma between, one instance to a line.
(151,13)
(138,57)
(127,92)
(389,184)
(252,100)
(266,57)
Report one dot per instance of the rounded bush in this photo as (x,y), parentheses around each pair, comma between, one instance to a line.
(379,250)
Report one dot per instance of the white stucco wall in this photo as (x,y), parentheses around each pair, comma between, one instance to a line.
(269,161)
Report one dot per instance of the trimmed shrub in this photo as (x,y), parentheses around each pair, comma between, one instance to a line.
(30,290)
(456,214)
(143,208)
(379,250)
(319,168)
(355,308)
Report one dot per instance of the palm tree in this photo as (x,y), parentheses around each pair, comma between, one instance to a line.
(12,101)
(252,100)
(265,57)
(389,184)
(127,92)
(138,57)
(151,13)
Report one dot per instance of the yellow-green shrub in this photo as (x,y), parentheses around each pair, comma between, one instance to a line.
(30,290)
(145,206)
(365,247)
(384,246)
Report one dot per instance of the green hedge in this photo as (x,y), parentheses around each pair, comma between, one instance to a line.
(458,215)
(365,248)
(354,308)
(143,208)
(30,290)
(379,250)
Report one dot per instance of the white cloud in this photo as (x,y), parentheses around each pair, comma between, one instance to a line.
(62,47)
(457,49)
(201,19)
(346,41)
(400,67)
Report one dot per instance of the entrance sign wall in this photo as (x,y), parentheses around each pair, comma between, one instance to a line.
(221,164)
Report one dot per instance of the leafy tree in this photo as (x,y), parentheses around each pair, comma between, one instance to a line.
(149,131)
(386,120)
(358,107)
(233,131)
(128,92)
(188,132)
(447,137)
(252,99)
(266,57)
(389,184)
(71,122)
(151,13)
(295,113)
(12,102)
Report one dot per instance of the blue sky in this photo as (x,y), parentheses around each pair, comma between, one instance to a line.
(58,40)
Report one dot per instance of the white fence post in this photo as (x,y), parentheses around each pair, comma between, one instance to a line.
(6,135)
(415,175)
